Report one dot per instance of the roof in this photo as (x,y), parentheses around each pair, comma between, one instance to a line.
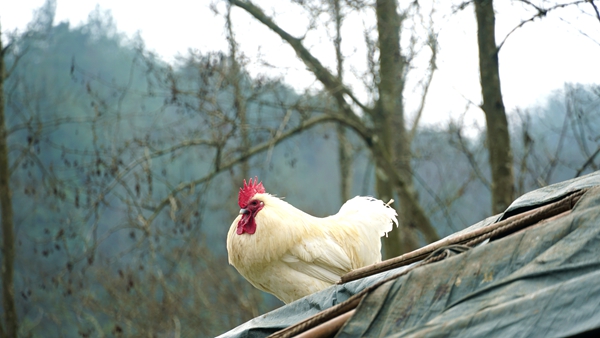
(533,270)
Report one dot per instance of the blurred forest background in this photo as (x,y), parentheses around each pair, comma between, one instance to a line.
(120,171)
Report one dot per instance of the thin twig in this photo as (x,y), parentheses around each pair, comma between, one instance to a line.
(541,12)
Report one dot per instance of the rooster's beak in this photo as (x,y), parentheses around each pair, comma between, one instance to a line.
(244,211)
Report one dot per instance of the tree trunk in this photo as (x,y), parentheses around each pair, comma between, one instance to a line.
(8,236)
(498,140)
(389,124)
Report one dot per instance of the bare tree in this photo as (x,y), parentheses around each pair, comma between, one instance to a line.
(498,139)
(389,120)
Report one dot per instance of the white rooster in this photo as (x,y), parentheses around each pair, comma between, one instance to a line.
(291,254)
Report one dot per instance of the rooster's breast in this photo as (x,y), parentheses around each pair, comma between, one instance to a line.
(284,282)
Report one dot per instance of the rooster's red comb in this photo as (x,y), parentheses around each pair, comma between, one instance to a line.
(249,190)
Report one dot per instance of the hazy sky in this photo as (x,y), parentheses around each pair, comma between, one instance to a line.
(536,59)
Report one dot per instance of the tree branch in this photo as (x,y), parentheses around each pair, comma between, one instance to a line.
(472,161)
(595,9)
(251,152)
(432,67)
(329,81)
(15,61)
(541,12)
(37,125)
(119,176)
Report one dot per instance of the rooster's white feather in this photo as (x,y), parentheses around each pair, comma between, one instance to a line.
(292,254)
